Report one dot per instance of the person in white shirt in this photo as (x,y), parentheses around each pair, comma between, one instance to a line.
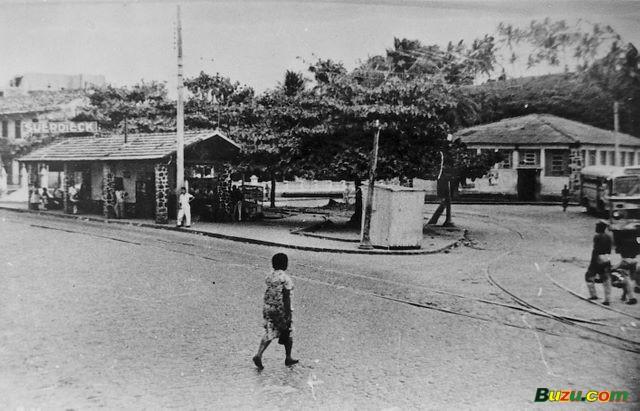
(121,197)
(74,198)
(184,208)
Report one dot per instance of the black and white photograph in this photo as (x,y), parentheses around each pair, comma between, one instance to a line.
(319,205)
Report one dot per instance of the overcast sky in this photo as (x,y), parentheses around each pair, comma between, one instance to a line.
(254,42)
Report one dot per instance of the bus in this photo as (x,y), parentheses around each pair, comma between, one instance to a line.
(612,190)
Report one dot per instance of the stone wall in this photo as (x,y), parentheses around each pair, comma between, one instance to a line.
(32,178)
(65,188)
(108,190)
(575,164)
(162,193)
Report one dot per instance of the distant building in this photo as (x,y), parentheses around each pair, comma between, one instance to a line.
(55,82)
(17,109)
(544,152)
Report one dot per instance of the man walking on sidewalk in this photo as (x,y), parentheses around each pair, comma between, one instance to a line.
(184,208)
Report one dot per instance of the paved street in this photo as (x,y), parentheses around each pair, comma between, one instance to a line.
(98,315)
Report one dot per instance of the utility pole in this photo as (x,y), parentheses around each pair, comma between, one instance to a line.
(180,111)
(616,128)
(365,238)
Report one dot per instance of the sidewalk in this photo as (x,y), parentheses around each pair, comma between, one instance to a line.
(288,230)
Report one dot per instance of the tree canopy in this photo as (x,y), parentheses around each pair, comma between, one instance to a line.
(326,130)
(144,108)
(594,57)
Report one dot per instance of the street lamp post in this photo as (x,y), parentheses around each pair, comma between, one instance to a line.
(447,220)
(365,241)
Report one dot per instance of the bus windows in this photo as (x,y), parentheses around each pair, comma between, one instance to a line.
(626,186)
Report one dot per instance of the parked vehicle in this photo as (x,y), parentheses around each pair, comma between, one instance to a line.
(612,190)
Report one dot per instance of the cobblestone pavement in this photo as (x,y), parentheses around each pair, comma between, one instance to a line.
(95,315)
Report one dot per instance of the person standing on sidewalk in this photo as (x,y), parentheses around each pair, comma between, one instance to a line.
(600,265)
(565,198)
(184,208)
(74,198)
(237,198)
(35,199)
(45,198)
(277,310)
(121,196)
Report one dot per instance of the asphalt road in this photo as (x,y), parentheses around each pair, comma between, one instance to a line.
(94,315)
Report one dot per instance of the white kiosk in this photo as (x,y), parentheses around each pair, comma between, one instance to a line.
(397,216)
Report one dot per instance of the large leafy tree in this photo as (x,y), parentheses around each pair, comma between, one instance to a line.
(326,131)
(144,107)
(293,83)
(565,95)
(217,101)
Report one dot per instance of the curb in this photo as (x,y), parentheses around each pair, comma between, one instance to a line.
(309,232)
(506,202)
(245,240)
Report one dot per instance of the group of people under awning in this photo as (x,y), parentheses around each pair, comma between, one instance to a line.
(41,198)
(223,201)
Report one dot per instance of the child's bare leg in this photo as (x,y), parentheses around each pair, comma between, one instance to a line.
(287,349)
(607,291)
(628,287)
(257,359)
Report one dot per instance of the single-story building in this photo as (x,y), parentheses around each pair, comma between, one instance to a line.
(144,165)
(544,152)
(20,109)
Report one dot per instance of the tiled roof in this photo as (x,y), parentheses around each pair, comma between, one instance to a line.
(38,101)
(113,147)
(541,129)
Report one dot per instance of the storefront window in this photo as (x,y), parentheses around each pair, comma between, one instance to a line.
(18,129)
(603,158)
(507,157)
(557,163)
(592,157)
(530,157)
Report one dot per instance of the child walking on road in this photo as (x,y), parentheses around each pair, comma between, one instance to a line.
(277,310)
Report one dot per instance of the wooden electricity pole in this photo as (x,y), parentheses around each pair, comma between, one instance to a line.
(180,110)
(365,241)
(616,128)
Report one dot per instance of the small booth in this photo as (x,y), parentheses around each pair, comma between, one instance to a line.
(83,173)
(397,216)
(253,196)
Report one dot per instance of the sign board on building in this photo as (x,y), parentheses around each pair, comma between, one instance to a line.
(46,127)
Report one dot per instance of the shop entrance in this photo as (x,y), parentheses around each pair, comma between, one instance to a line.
(146,197)
(529,184)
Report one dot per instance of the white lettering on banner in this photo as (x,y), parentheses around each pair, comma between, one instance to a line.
(59,127)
